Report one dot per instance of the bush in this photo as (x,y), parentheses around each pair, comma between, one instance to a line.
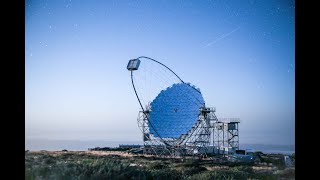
(158,165)
(194,170)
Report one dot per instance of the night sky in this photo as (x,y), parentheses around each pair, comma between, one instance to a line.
(241,54)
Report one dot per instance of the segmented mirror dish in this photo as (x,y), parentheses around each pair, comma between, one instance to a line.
(175,110)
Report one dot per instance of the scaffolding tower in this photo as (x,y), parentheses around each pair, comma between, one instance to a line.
(226,136)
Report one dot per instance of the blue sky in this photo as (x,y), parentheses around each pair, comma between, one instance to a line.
(240,53)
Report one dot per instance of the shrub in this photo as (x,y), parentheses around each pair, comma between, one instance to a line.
(194,170)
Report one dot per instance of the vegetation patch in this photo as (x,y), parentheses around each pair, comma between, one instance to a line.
(84,165)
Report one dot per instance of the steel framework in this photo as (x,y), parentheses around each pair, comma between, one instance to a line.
(208,136)
(196,141)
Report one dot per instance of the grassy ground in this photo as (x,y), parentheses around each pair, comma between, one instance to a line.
(120,165)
